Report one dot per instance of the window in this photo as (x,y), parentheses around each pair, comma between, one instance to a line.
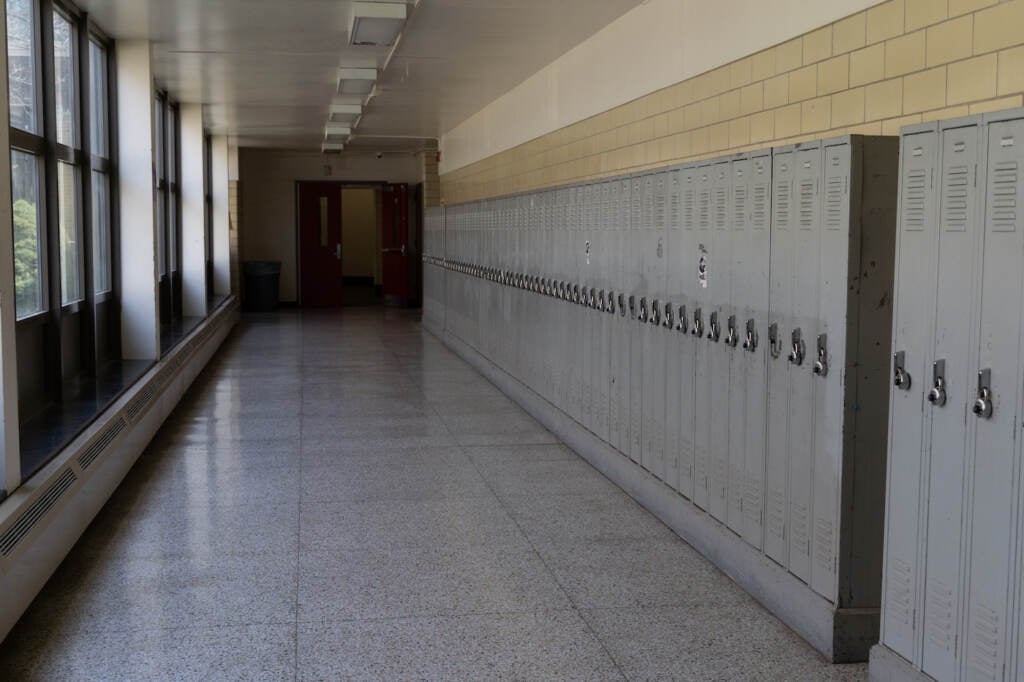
(168,204)
(62,185)
(208,212)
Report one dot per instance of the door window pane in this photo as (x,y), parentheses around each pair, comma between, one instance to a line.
(100,232)
(64,79)
(21,64)
(98,99)
(28,247)
(68,229)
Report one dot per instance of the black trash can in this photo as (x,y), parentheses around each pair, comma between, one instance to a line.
(262,282)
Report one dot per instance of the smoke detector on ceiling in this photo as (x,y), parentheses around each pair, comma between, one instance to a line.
(376,23)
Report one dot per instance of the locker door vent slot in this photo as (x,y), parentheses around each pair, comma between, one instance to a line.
(834,202)
(1004,197)
(954,199)
(914,196)
(899,602)
(939,615)
(986,636)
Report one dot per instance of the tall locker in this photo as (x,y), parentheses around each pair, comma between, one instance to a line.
(671,323)
(994,455)
(783,237)
(699,330)
(740,292)
(585,334)
(753,359)
(625,310)
(801,383)
(719,279)
(603,253)
(634,285)
(653,408)
(689,265)
(619,342)
(948,392)
(913,312)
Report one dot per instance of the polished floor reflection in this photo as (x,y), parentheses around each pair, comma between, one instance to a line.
(340,497)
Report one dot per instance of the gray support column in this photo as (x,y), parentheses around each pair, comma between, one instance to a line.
(140,300)
(193,212)
(221,217)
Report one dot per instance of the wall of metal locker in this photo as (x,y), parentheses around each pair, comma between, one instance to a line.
(953,556)
(715,338)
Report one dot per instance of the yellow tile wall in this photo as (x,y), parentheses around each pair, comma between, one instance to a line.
(897,63)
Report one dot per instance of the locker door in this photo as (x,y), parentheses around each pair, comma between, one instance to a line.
(673,338)
(995,449)
(615,373)
(625,314)
(912,328)
(958,246)
(702,350)
(758,249)
(634,273)
(601,268)
(801,386)
(777,341)
(829,349)
(646,292)
(653,429)
(719,280)
(739,294)
(688,264)
(585,333)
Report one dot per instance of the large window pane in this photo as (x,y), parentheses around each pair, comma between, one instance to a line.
(28,246)
(161,232)
(100,232)
(68,228)
(98,99)
(64,80)
(21,64)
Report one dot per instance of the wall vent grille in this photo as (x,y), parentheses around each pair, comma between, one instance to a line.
(31,516)
(100,444)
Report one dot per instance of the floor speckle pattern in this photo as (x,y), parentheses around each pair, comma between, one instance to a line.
(340,497)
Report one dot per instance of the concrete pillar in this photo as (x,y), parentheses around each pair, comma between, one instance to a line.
(193,212)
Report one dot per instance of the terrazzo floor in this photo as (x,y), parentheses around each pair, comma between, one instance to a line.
(341,497)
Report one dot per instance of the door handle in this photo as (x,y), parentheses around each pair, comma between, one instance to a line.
(821,364)
(796,353)
(337,251)
(900,377)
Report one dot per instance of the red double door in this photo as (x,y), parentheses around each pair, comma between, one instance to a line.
(321,284)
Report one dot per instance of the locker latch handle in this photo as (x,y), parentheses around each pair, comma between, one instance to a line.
(656,313)
(900,376)
(714,329)
(732,337)
(669,323)
(575,293)
(632,307)
(983,404)
(643,310)
(797,349)
(774,345)
(681,322)
(821,364)
(601,305)
(937,396)
(622,308)
(698,323)
(610,302)
(750,341)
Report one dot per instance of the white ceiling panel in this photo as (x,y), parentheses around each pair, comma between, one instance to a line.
(267,69)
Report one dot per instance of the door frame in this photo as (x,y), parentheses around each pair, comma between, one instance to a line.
(341,184)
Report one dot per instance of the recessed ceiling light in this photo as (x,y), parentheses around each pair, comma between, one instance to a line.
(344,113)
(335,132)
(356,81)
(329,147)
(376,23)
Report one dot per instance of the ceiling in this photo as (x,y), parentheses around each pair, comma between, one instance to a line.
(266,69)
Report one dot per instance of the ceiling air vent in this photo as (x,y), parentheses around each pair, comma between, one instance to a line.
(31,516)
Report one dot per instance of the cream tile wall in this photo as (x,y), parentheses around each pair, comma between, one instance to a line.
(899,62)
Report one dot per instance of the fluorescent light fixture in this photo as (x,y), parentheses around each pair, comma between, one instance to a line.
(376,23)
(344,113)
(356,81)
(329,147)
(335,132)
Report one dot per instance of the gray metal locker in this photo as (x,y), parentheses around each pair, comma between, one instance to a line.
(947,388)
(741,290)
(780,324)
(755,343)
(719,280)
(699,329)
(913,313)
(634,287)
(688,262)
(805,330)
(653,358)
(994,458)
(674,338)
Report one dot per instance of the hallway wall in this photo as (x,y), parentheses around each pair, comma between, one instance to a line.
(267,196)
(896,63)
